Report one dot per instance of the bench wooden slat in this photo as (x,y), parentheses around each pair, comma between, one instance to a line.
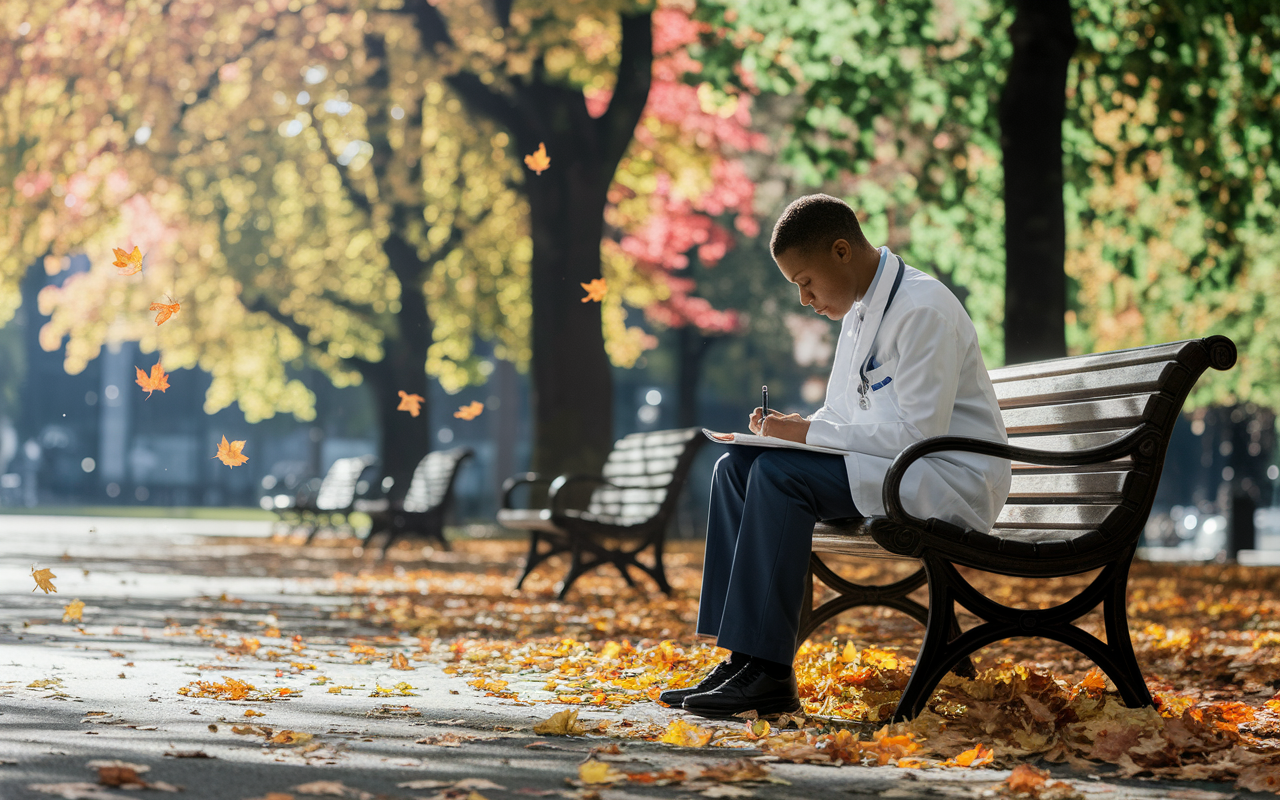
(339,486)
(1092,361)
(1093,415)
(431,479)
(1081,487)
(1067,517)
(1118,381)
(1063,442)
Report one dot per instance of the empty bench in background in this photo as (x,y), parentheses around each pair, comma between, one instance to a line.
(628,512)
(1087,438)
(329,505)
(422,511)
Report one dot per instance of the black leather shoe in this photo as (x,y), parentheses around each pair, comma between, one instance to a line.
(749,690)
(723,672)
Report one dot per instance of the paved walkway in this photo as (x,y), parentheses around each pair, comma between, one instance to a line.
(157,596)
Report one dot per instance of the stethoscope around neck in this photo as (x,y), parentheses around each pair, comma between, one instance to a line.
(864,386)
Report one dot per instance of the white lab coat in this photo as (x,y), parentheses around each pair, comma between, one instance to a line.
(928,379)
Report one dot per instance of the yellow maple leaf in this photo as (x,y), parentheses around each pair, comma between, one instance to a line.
(44,579)
(73,610)
(599,772)
(128,263)
(538,160)
(595,290)
(683,734)
(229,453)
(469,411)
(157,380)
(410,402)
(249,712)
(398,661)
(166,310)
(561,723)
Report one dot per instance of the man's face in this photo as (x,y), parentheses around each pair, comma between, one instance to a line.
(824,277)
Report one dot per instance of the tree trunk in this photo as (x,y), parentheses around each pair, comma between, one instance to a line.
(572,383)
(691,348)
(1032,108)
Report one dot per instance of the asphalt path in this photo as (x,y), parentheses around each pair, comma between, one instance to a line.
(158,593)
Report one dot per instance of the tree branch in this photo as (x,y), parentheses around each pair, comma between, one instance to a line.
(631,92)
(358,197)
(303,332)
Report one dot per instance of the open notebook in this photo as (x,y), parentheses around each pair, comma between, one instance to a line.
(768,441)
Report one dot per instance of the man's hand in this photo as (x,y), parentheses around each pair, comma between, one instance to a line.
(791,427)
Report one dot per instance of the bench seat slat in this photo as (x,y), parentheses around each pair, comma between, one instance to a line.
(1093,415)
(1117,381)
(1087,486)
(1093,361)
(1068,517)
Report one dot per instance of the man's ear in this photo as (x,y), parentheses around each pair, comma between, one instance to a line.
(842,250)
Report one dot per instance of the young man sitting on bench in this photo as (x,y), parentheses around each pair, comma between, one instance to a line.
(907,367)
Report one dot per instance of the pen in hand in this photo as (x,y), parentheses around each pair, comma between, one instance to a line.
(764,406)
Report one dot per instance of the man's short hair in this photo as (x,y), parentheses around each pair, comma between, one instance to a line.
(814,222)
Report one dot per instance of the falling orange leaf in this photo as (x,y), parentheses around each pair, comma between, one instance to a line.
(470,411)
(595,290)
(158,379)
(410,402)
(129,263)
(73,611)
(166,310)
(229,453)
(44,579)
(538,160)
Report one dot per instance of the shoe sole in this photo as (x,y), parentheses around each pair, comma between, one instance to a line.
(769,711)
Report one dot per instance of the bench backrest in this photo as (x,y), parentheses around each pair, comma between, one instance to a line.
(338,489)
(1086,401)
(644,468)
(433,479)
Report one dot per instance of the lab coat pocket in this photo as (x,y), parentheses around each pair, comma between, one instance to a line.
(882,375)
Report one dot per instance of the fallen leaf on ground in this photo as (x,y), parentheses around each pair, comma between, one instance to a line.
(332,789)
(684,734)
(398,661)
(411,403)
(249,712)
(187,754)
(73,611)
(229,453)
(595,290)
(78,790)
(597,772)
(44,579)
(538,160)
(129,263)
(975,756)
(744,769)
(158,380)
(290,737)
(561,723)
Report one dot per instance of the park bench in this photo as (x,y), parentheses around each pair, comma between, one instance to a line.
(1087,441)
(422,511)
(330,504)
(628,511)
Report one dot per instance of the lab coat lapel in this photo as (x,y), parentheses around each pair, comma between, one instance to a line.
(874,315)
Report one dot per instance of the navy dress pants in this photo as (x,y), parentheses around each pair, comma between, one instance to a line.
(764,503)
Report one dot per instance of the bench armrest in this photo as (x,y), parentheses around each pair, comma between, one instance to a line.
(1143,439)
(565,480)
(510,485)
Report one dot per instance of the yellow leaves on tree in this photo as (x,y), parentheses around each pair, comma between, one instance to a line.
(538,160)
(166,310)
(410,402)
(157,380)
(44,579)
(684,734)
(469,411)
(229,453)
(561,723)
(73,611)
(595,290)
(128,263)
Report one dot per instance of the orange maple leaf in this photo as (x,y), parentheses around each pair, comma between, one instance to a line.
(595,290)
(410,402)
(166,310)
(129,263)
(158,379)
(229,453)
(470,411)
(44,579)
(538,160)
(975,756)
